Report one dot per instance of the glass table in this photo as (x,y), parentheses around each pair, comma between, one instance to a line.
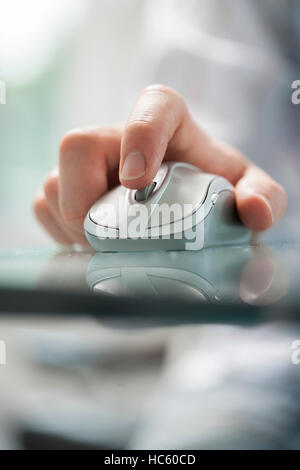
(162,350)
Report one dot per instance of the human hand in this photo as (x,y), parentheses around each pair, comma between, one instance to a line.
(160,127)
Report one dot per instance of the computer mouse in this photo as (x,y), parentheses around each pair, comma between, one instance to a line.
(182,209)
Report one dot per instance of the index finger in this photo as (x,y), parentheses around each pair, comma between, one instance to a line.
(161,127)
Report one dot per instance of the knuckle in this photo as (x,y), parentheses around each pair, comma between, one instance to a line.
(51,187)
(171,102)
(167,95)
(39,206)
(144,125)
(158,89)
(72,218)
(283,196)
(277,188)
(281,190)
(157,107)
(77,143)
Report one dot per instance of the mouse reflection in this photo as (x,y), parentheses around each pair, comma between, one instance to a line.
(251,274)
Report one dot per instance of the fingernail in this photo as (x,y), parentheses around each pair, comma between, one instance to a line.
(134,166)
(268,204)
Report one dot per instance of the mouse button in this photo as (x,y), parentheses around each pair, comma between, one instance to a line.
(185,193)
(105,212)
(188,188)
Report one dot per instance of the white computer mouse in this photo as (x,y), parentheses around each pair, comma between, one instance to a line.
(182,209)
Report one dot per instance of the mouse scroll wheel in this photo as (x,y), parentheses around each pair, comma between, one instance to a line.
(142,195)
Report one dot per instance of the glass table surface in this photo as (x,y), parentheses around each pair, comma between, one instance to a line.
(164,350)
(213,279)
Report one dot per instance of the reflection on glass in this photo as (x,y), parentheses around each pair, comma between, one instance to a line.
(251,274)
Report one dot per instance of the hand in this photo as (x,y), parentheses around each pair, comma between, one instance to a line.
(160,127)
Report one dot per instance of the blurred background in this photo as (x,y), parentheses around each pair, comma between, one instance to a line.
(66,64)
(82,62)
